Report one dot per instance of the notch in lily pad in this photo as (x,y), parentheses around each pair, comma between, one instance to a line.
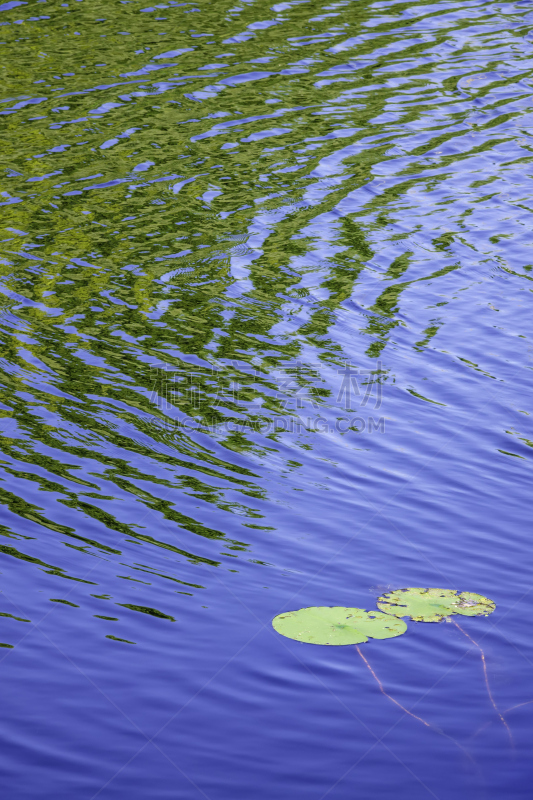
(432,605)
(337,625)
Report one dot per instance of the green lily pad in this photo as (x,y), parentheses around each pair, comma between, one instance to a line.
(432,605)
(337,625)
(474,605)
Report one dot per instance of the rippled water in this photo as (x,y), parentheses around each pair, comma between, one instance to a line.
(266,343)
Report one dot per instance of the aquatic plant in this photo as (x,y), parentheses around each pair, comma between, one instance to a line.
(432,605)
(337,625)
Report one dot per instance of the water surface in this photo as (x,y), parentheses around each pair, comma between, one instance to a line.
(265,343)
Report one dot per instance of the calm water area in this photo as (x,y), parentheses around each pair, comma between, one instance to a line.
(266,343)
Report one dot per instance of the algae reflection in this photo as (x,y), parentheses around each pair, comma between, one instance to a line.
(119,236)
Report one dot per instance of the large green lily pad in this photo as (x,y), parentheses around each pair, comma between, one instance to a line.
(432,605)
(337,625)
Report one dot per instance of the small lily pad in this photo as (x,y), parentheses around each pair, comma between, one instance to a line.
(432,605)
(337,625)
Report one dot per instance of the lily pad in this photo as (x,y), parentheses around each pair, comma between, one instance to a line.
(432,605)
(337,625)
(474,605)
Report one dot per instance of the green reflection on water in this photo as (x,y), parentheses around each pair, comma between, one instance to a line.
(171,239)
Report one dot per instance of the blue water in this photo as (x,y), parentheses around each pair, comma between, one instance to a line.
(320,393)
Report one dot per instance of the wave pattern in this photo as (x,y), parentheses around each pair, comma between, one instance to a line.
(265,278)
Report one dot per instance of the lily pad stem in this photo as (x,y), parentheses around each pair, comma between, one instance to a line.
(406,710)
(423,721)
(491,698)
